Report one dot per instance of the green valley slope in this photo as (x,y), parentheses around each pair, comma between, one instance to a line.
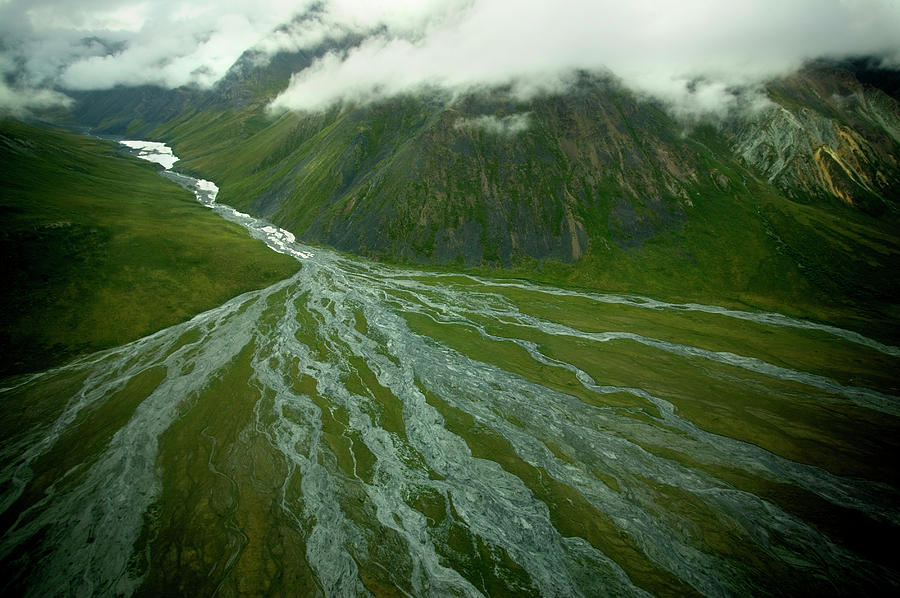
(791,208)
(599,189)
(98,249)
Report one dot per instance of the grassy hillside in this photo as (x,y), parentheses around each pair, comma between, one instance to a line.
(98,249)
(600,189)
(793,207)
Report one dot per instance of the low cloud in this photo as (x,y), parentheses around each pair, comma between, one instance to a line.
(691,54)
(506,126)
(23,101)
(20,100)
(98,44)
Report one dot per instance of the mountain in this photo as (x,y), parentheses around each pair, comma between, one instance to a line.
(828,138)
(793,205)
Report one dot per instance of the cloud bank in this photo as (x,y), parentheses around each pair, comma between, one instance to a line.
(690,53)
(99,44)
(506,126)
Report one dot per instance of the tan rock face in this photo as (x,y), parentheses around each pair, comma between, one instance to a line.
(828,137)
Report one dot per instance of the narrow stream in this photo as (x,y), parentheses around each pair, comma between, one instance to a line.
(366,430)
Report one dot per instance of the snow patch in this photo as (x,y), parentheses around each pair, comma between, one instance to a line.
(153,151)
(282,240)
(206,191)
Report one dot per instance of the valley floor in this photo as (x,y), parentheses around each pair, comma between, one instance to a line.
(360,429)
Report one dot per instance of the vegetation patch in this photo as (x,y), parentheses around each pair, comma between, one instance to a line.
(99,250)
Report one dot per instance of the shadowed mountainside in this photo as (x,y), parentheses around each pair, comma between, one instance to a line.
(791,206)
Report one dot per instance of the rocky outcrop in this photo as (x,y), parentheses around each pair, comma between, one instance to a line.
(488,179)
(826,136)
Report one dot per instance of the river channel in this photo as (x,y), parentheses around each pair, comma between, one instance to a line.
(367,430)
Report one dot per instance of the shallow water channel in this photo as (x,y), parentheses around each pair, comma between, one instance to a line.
(360,429)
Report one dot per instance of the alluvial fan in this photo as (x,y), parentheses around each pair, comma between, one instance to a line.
(366,430)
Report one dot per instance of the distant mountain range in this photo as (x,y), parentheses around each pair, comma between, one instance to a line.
(794,203)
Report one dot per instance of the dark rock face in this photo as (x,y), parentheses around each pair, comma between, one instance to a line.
(452,183)
(630,228)
(491,180)
(131,110)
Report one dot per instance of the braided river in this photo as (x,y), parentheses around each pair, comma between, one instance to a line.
(367,430)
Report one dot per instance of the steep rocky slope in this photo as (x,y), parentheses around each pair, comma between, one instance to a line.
(794,205)
(485,180)
(827,137)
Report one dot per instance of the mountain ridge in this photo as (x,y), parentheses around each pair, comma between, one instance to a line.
(794,204)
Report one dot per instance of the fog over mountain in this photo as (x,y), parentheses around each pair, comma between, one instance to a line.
(691,54)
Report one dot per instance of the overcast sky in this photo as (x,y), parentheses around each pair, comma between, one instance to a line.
(655,46)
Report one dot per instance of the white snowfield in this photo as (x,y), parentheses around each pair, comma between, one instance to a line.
(208,187)
(153,151)
(284,241)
